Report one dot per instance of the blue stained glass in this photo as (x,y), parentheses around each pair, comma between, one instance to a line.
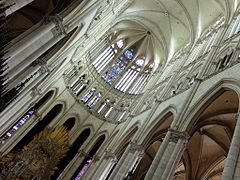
(115,70)
(128,54)
(31,112)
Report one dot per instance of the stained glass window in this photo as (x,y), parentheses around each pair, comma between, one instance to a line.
(84,169)
(116,69)
(120,43)
(119,68)
(89,94)
(15,128)
(128,54)
(94,100)
(140,62)
(103,106)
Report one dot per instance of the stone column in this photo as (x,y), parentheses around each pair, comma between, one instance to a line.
(232,166)
(27,50)
(128,161)
(167,156)
(158,157)
(29,39)
(16,5)
(102,169)
(180,144)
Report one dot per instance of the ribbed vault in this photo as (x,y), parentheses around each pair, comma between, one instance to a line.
(210,139)
(176,23)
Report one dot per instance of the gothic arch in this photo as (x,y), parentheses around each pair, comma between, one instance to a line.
(88,126)
(170,110)
(70,123)
(202,103)
(91,156)
(47,119)
(72,152)
(126,138)
(64,108)
(77,120)
(212,167)
(45,99)
(153,140)
(104,133)
(211,126)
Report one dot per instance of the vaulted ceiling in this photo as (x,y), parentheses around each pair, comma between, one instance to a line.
(177,22)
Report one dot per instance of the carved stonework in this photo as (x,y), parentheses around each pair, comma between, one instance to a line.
(38,160)
(134,147)
(43,70)
(59,29)
(96,158)
(176,135)
(57,20)
(35,92)
(110,155)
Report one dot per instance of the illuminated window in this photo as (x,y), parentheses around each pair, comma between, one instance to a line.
(119,67)
(88,95)
(94,100)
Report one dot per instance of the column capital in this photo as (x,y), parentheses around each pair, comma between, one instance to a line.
(58,21)
(35,92)
(109,155)
(135,147)
(175,135)
(38,115)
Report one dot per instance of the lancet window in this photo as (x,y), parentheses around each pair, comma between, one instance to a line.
(121,66)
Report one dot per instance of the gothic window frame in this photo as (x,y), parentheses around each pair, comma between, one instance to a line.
(88,95)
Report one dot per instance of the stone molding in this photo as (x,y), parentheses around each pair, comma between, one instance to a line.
(59,27)
(134,147)
(81,153)
(109,155)
(175,135)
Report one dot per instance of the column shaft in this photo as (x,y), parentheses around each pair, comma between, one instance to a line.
(164,161)
(158,157)
(174,159)
(28,40)
(231,164)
